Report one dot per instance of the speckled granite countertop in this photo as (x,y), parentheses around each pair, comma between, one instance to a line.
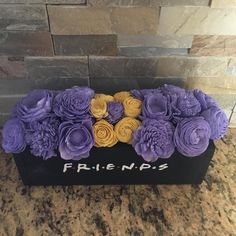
(209,209)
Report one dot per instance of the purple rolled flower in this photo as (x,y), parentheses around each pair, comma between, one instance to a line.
(42,137)
(115,112)
(192,135)
(183,102)
(154,139)
(156,106)
(171,90)
(217,120)
(13,135)
(76,140)
(140,94)
(73,103)
(205,100)
(186,105)
(35,106)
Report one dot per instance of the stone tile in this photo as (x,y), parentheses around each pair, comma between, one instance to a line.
(26,43)
(215,85)
(7,103)
(231,68)
(82,2)
(57,67)
(117,3)
(223,3)
(23,17)
(151,51)
(197,20)
(122,66)
(73,20)
(214,45)
(214,41)
(85,45)
(166,41)
(112,85)
(191,66)
(232,123)
(157,66)
(135,20)
(228,113)
(21,1)
(109,3)
(225,101)
(58,83)
(179,2)
(12,68)
(79,2)
(228,52)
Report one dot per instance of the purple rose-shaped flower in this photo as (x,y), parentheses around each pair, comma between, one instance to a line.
(76,140)
(156,106)
(154,139)
(13,135)
(169,89)
(217,120)
(184,105)
(205,100)
(115,112)
(140,94)
(192,135)
(183,102)
(35,106)
(42,137)
(73,103)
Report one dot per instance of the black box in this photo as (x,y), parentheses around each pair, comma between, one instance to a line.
(117,165)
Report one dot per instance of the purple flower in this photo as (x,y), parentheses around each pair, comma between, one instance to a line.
(140,94)
(76,140)
(73,103)
(42,137)
(185,105)
(35,106)
(115,112)
(205,100)
(171,90)
(191,136)
(156,106)
(217,120)
(154,139)
(13,136)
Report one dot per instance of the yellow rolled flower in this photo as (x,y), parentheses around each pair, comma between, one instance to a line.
(132,107)
(98,108)
(105,97)
(121,96)
(125,128)
(104,134)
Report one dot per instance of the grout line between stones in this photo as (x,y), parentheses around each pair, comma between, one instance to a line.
(89,82)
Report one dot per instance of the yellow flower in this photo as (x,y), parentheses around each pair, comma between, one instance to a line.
(98,108)
(104,134)
(132,107)
(121,96)
(125,128)
(105,97)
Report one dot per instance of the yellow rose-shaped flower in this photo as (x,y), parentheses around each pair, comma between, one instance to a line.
(105,97)
(121,96)
(98,108)
(125,128)
(132,107)
(104,134)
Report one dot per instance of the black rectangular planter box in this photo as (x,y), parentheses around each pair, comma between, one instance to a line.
(117,165)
